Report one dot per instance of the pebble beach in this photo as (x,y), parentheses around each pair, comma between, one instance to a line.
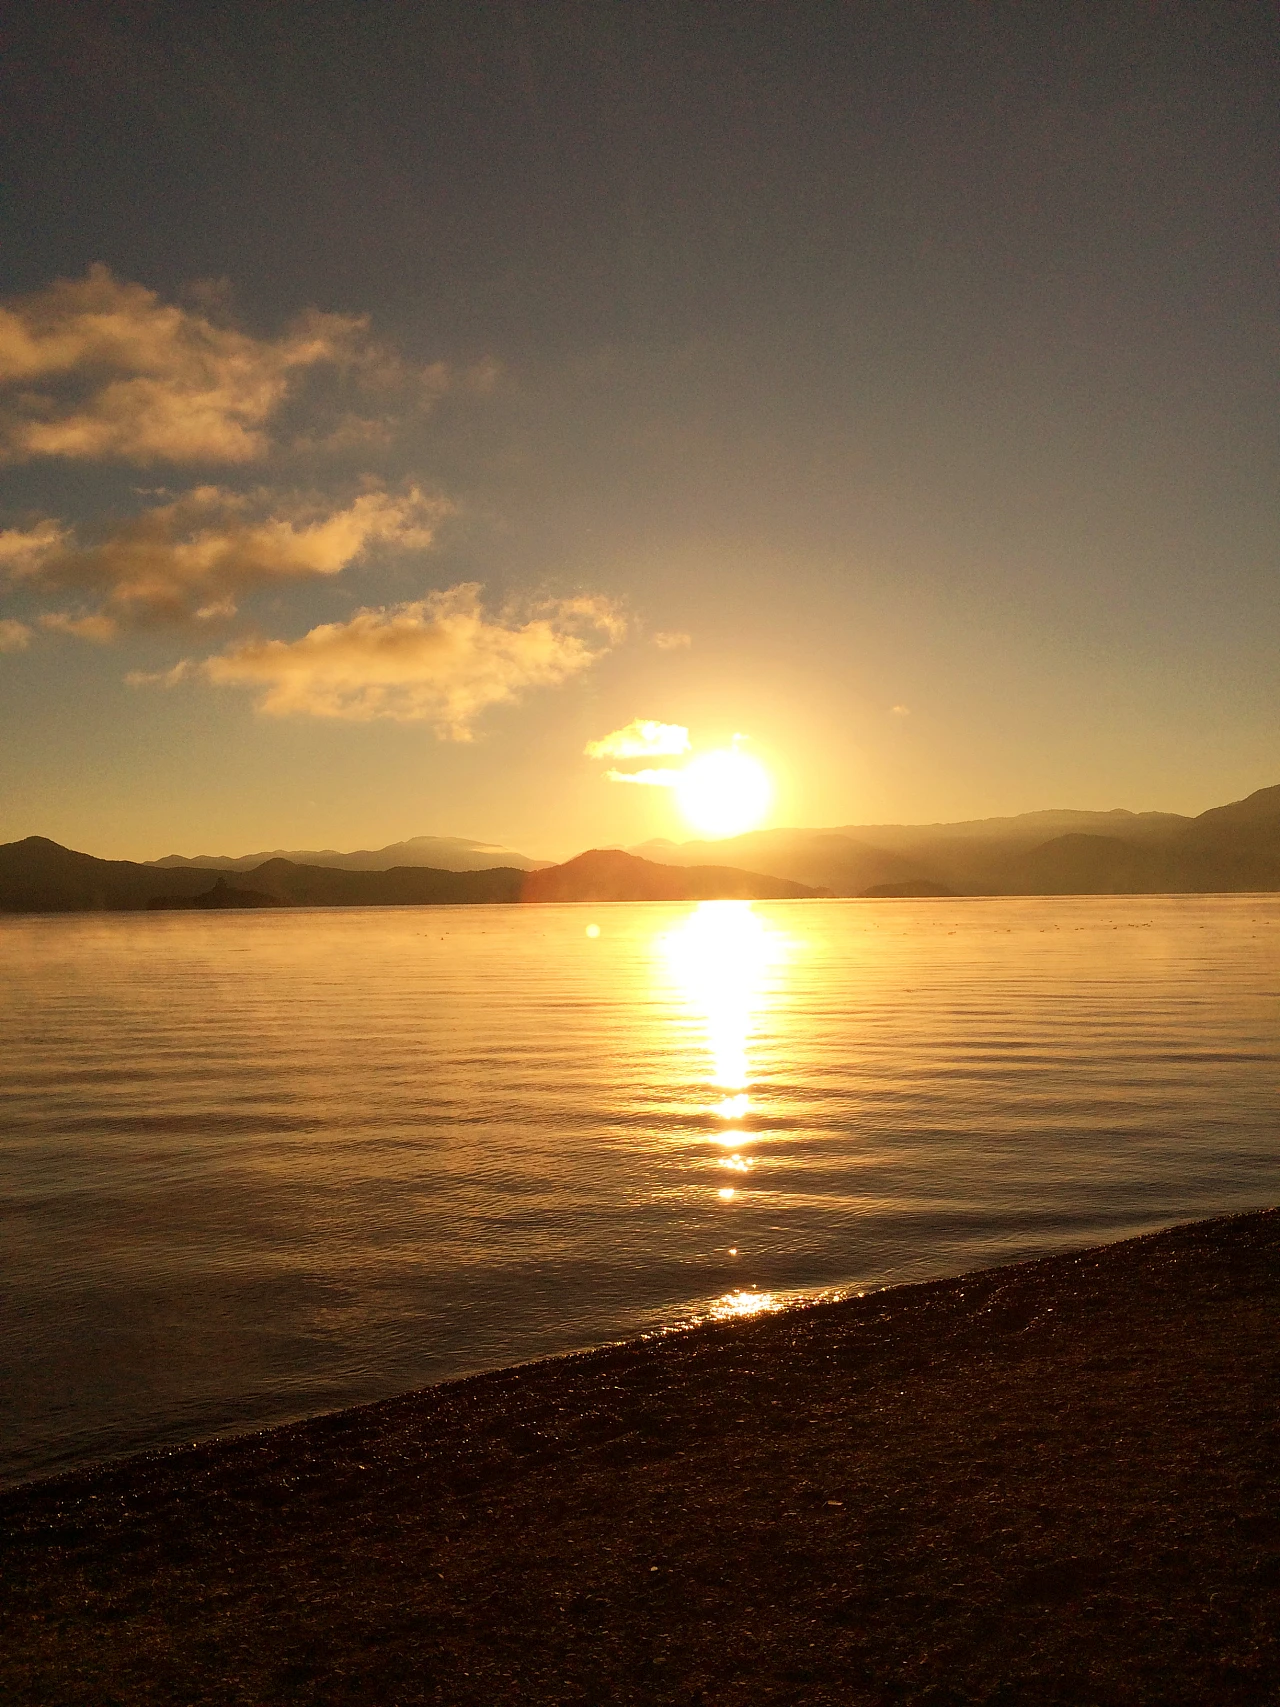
(1053,1482)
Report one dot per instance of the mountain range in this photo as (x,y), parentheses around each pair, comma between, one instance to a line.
(440,853)
(1234,847)
(40,876)
(1228,848)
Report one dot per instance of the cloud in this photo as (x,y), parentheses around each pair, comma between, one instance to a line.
(100,368)
(191,559)
(672,640)
(93,626)
(642,738)
(351,432)
(162,678)
(900,710)
(14,636)
(659,778)
(440,660)
(22,551)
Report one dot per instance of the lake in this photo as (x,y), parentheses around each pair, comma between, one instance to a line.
(258,1165)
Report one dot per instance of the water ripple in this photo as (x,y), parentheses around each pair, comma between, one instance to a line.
(257,1165)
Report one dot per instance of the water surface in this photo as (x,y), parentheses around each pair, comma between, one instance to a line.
(258,1165)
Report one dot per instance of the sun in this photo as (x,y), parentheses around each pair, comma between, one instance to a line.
(724,793)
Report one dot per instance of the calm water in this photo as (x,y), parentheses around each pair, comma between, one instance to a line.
(259,1165)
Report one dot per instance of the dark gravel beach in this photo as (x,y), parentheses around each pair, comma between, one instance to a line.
(1049,1483)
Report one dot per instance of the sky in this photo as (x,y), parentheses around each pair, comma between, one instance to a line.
(397,400)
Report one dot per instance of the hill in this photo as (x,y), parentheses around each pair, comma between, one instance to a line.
(221,898)
(281,883)
(1228,848)
(825,859)
(1231,848)
(609,874)
(440,853)
(1260,807)
(39,876)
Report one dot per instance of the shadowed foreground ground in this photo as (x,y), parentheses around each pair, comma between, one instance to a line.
(1049,1483)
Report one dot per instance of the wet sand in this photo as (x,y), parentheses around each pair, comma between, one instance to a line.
(1054,1482)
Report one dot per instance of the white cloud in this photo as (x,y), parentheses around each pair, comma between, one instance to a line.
(672,640)
(190,560)
(101,368)
(642,738)
(661,777)
(440,660)
(14,636)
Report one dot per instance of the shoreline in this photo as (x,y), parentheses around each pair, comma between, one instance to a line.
(1049,1481)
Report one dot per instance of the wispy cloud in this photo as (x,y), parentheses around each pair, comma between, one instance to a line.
(192,559)
(672,640)
(24,550)
(99,368)
(642,738)
(180,672)
(91,626)
(14,636)
(440,660)
(661,777)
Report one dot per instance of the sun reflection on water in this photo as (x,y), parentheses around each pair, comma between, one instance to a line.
(734,1304)
(722,956)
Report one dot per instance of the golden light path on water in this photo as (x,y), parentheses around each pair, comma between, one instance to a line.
(725,960)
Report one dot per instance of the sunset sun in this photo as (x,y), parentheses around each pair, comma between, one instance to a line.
(724,793)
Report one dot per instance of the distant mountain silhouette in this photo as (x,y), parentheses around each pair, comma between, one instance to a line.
(222,897)
(1228,848)
(1260,807)
(284,884)
(825,859)
(1026,827)
(1232,847)
(440,853)
(977,856)
(608,874)
(39,876)
(1079,864)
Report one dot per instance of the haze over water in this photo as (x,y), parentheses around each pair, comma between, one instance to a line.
(257,1165)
